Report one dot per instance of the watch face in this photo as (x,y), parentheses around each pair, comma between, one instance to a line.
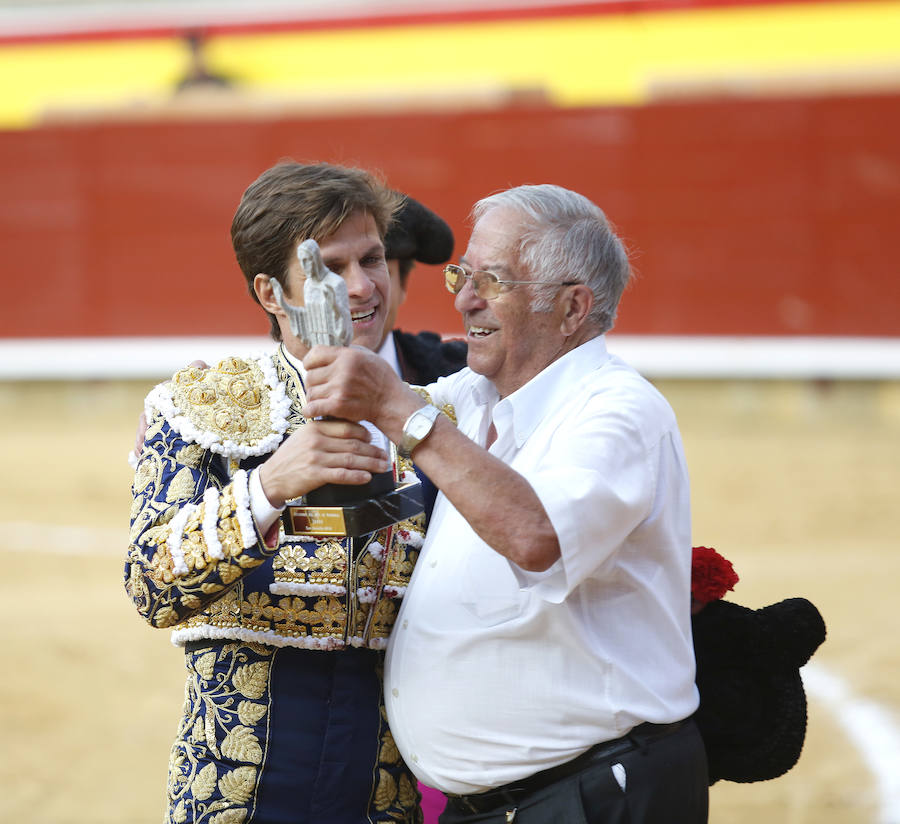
(416,428)
(420,427)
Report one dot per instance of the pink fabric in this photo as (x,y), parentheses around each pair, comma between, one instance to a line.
(433,803)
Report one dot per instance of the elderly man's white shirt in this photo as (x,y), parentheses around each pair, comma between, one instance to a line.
(494,673)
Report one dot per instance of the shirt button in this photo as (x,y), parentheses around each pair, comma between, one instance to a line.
(432,564)
(395,692)
(405,624)
(415,758)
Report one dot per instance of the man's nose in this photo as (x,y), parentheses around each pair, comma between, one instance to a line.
(359,284)
(466,300)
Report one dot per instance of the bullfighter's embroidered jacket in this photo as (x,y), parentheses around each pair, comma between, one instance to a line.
(197,562)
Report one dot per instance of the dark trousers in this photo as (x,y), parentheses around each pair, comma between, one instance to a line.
(665,782)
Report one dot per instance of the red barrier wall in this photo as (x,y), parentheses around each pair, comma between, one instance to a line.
(755,217)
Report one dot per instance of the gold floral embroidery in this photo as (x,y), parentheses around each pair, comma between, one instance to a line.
(227,695)
(148,470)
(255,609)
(408,538)
(328,617)
(238,785)
(243,393)
(204,784)
(190,455)
(200,787)
(395,795)
(401,568)
(386,790)
(385,613)
(154,426)
(229,817)
(240,744)
(233,366)
(250,680)
(389,751)
(225,400)
(327,565)
(250,713)
(188,376)
(225,611)
(182,486)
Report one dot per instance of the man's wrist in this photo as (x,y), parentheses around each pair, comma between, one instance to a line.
(260,506)
(271,496)
(418,426)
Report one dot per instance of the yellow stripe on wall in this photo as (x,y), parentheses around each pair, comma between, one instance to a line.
(102,74)
(590,60)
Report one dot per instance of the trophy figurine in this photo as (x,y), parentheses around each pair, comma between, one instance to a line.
(324,319)
(335,509)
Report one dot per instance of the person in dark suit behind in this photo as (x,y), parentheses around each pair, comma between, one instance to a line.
(417,235)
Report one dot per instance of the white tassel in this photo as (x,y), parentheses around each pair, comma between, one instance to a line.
(210,521)
(173,542)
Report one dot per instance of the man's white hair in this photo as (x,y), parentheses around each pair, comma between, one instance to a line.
(565,237)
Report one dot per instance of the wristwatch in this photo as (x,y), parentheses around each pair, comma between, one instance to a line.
(416,429)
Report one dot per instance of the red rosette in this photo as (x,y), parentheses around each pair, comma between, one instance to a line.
(711,575)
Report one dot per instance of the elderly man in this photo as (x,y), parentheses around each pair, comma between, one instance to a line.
(284,719)
(541,669)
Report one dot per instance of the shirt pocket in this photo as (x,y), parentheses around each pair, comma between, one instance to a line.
(489,590)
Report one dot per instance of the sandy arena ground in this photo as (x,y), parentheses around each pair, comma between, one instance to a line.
(796,483)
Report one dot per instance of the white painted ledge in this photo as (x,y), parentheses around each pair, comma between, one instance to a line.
(656,356)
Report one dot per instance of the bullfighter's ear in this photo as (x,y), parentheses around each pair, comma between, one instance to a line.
(262,288)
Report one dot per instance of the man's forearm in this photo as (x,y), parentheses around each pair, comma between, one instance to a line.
(515,523)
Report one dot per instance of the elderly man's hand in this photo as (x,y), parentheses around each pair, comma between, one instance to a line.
(350,382)
(321,452)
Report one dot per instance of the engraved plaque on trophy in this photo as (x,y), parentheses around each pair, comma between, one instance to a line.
(335,509)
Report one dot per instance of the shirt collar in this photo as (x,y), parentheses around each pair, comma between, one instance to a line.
(388,352)
(484,392)
(530,404)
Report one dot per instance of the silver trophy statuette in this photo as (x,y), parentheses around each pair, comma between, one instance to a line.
(335,509)
(324,319)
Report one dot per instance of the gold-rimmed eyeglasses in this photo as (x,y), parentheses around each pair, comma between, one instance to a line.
(486,284)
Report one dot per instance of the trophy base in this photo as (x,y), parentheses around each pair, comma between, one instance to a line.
(353,518)
(340,494)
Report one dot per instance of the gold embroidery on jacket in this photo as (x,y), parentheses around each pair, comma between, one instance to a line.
(226,399)
(326,567)
(220,747)
(163,597)
(408,538)
(293,389)
(322,595)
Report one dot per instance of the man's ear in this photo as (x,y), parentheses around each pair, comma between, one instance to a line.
(262,286)
(577,301)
